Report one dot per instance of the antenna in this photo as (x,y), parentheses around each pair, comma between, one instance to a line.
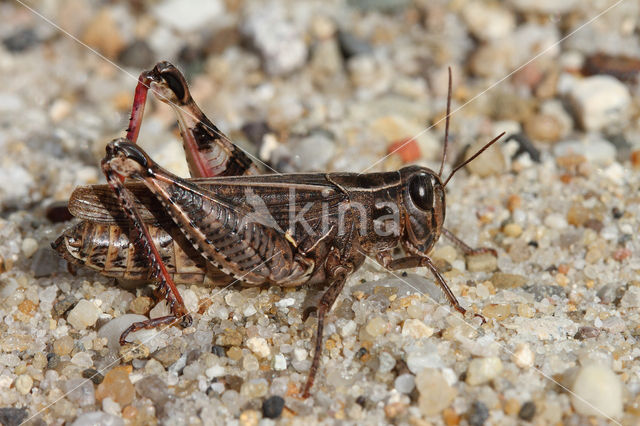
(473,157)
(446,127)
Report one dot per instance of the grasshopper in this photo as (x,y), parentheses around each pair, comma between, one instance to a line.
(229,222)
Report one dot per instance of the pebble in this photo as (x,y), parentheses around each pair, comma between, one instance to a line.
(478,413)
(24,383)
(20,41)
(523,356)
(199,14)
(512,230)
(131,351)
(272,407)
(29,247)
(555,221)
(45,262)
(80,391)
(596,150)
(83,315)
(167,355)
(280,43)
(527,411)
(94,375)
(117,386)
(405,383)
(63,346)
(250,363)
(503,280)
(53,360)
(259,346)
(376,327)
(541,292)
(488,21)
(249,418)
(416,329)
(543,128)
(483,370)
(491,162)
(352,45)
(63,305)
(256,388)
(484,262)
(13,416)
(435,393)
(155,389)
(602,103)
(631,298)
(102,33)
(97,418)
(141,305)
(313,152)
(544,6)
(138,55)
(598,392)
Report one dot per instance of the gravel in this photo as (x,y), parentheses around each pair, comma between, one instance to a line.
(321,86)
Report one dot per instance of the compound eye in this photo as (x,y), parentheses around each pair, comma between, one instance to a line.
(175,84)
(421,191)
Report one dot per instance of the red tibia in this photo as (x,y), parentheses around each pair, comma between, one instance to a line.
(137,109)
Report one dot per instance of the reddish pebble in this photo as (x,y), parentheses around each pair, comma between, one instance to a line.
(117,386)
(621,254)
(407,149)
(635,159)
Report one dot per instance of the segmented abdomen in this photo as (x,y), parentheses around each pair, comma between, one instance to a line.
(109,250)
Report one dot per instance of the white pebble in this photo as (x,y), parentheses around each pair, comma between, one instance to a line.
(198,14)
(523,356)
(555,221)
(83,315)
(82,359)
(601,101)
(405,383)
(482,370)
(348,328)
(597,392)
(29,246)
(416,329)
(215,371)
(110,406)
(285,303)
(98,418)
(249,310)
(631,298)
(259,346)
(279,362)
(24,383)
(300,354)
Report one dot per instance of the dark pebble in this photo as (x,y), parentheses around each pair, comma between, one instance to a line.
(93,374)
(524,146)
(11,416)
(621,67)
(594,224)
(58,211)
(527,411)
(255,131)
(533,244)
(586,333)
(52,360)
(272,407)
(361,400)
(45,262)
(610,293)
(218,351)
(543,291)
(63,305)
(361,352)
(20,41)
(137,55)
(350,45)
(232,382)
(478,414)
(617,213)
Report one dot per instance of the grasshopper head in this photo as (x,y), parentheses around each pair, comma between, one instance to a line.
(423,199)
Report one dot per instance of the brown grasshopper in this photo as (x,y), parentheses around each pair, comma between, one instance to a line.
(228,222)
